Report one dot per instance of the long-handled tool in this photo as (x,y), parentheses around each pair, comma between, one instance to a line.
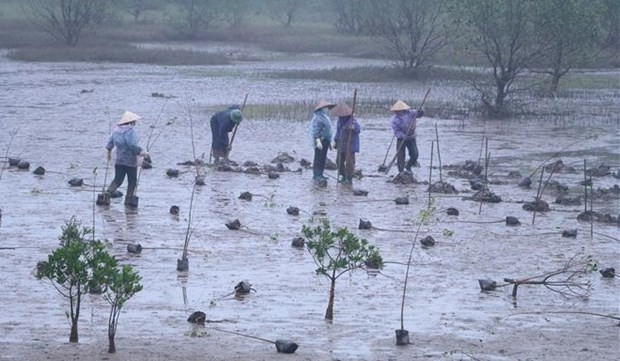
(383,167)
(103,199)
(232,139)
(387,170)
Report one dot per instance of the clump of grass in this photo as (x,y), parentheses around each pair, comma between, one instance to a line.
(21,33)
(374,74)
(298,39)
(118,54)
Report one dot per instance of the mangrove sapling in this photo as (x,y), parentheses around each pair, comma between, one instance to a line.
(12,135)
(74,268)
(122,284)
(402,335)
(200,178)
(183,263)
(336,253)
(438,154)
(487,157)
(103,198)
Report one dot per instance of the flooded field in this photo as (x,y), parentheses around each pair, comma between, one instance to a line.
(61,114)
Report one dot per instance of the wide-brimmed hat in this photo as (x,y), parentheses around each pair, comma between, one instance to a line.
(324,103)
(399,105)
(236,116)
(128,117)
(343,110)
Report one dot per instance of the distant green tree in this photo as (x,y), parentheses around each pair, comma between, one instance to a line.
(611,24)
(234,13)
(122,284)
(75,268)
(134,7)
(502,32)
(412,30)
(193,16)
(285,11)
(571,33)
(353,16)
(336,253)
(67,19)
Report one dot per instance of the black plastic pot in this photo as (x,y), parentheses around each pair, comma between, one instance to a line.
(103,199)
(183,265)
(286,346)
(402,337)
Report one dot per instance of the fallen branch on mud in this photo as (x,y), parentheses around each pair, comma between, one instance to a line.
(566,312)
(567,285)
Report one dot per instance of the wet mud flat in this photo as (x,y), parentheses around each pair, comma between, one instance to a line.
(446,313)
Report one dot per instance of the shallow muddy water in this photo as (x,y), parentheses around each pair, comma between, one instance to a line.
(60,114)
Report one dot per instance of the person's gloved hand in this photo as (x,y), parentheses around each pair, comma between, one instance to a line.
(419,113)
(228,149)
(318,143)
(144,154)
(109,154)
(334,145)
(351,126)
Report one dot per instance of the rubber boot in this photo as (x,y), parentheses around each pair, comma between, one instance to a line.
(410,164)
(113,186)
(128,198)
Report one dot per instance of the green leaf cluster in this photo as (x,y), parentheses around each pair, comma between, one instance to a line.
(81,265)
(336,252)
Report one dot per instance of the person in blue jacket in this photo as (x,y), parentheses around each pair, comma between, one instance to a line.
(222,123)
(321,133)
(125,139)
(347,142)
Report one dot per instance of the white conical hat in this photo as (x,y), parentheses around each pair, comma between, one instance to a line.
(128,117)
(399,105)
(324,103)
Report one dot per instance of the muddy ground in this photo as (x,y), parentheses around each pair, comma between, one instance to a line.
(60,114)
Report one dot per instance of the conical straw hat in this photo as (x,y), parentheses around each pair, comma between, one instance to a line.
(399,105)
(342,110)
(324,103)
(128,117)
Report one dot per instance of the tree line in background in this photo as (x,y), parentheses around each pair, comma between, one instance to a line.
(511,36)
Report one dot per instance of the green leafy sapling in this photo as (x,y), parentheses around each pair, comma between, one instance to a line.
(122,284)
(336,253)
(73,268)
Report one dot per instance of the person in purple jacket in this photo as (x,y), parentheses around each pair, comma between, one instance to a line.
(125,139)
(403,124)
(347,142)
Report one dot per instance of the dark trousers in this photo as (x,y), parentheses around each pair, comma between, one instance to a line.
(320,156)
(119,176)
(412,147)
(346,164)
